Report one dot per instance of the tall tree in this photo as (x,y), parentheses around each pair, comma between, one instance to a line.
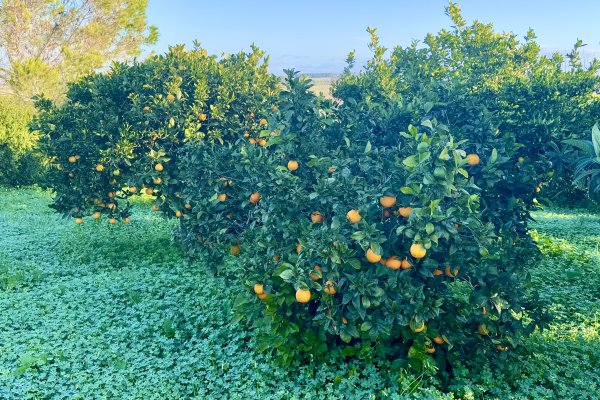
(46,43)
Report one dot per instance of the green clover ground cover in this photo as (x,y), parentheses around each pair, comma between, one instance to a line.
(114,312)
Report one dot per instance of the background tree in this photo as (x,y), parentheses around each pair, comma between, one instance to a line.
(46,43)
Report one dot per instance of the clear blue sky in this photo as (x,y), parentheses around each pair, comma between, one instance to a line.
(316,36)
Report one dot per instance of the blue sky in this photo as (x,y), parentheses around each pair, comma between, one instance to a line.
(315,36)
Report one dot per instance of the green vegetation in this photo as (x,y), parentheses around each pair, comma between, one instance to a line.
(96,311)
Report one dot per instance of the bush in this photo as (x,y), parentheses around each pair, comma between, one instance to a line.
(392,223)
(20,165)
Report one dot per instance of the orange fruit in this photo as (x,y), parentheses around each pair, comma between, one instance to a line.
(393,263)
(353,216)
(417,250)
(344,321)
(263,122)
(132,189)
(437,272)
(149,191)
(155,207)
(262,296)
(222,197)
(112,221)
(255,197)
(472,159)
(484,310)
(259,288)
(251,115)
(262,142)
(202,117)
(246,134)
(501,348)
(387,201)
(72,159)
(405,211)
(159,167)
(178,214)
(538,189)
(79,221)
(299,248)
(406,264)
(372,256)
(112,206)
(430,350)
(483,330)
(187,206)
(170,97)
(329,288)
(147,109)
(292,165)
(234,250)
(451,273)
(386,214)
(419,329)
(438,340)
(252,141)
(126,220)
(96,215)
(331,169)
(157,181)
(316,217)
(302,296)
(112,194)
(316,274)
(99,167)
(276,258)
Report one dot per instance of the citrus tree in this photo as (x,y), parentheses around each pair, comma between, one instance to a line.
(116,134)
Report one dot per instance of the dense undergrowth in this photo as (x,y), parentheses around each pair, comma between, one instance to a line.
(103,312)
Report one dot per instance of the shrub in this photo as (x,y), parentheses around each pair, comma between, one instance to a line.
(20,164)
(117,133)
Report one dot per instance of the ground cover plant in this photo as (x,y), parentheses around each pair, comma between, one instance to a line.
(98,311)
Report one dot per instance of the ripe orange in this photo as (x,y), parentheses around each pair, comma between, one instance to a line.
(155,207)
(72,159)
(405,211)
(235,250)
(262,142)
(149,191)
(255,197)
(263,122)
(417,250)
(157,181)
(292,165)
(112,221)
(302,296)
(484,310)
(316,217)
(430,350)
(483,330)
(132,189)
(159,167)
(222,197)
(99,167)
(438,340)
(246,134)
(386,214)
(112,194)
(316,273)
(112,206)
(251,115)
(372,256)
(96,215)
(147,109)
(252,141)
(387,201)
(406,264)
(331,169)
(276,258)
(353,216)
(79,221)
(344,321)
(178,214)
(126,220)
(187,206)
(299,248)
(501,348)
(262,296)
(329,288)
(472,159)
(437,272)
(259,288)
(538,189)
(170,97)
(202,117)
(419,329)
(451,273)
(393,263)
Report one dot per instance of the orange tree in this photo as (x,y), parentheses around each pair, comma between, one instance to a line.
(375,240)
(117,132)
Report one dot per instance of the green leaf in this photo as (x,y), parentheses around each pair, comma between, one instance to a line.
(444,154)
(366,326)
(410,162)
(368,148)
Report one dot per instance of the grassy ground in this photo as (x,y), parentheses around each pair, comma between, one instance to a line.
(113,312)
(322,85)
